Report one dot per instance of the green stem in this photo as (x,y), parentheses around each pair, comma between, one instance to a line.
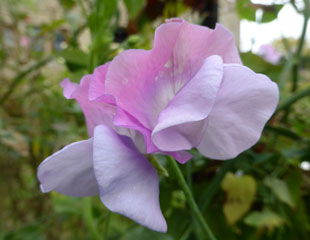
(106,225)
(189,175)
(294,98)
(295,59)
(285,72)
(190,185)
(304,28)
(89,219)
(295,68)
(190,198)
(295,64)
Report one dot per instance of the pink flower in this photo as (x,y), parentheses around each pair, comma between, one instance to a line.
(269,53)
(24,41)
(189,91)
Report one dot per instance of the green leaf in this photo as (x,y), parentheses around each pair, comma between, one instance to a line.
(271,12)
(141,233)
(28,232)
(52,26)
(67,4)
(245,10)
(266,218)
(75,57)
(294,181)
(99,19)
(240,195)
(283,132)
(65,205)
(209,192)
(134,7)
(257,64)
(281,190)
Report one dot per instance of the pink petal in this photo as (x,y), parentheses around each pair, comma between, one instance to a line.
(181,124)
(95,112)
(244,104)
(144,82)
(69,88)
(96,86)
(70,171)
(128,184)
(181,156)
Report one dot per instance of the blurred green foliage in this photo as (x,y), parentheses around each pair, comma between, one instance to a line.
(264,193)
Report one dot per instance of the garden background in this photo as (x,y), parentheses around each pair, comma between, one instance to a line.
(264,193)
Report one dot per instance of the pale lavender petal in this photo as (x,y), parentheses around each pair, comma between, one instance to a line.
(182,123)
(181,156)
(128,184)
(244,104)
(70,171)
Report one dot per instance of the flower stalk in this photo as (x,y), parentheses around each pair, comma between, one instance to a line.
(190,198)
(89,219)
(107,225)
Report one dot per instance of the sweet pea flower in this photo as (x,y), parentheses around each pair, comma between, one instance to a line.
(190,90)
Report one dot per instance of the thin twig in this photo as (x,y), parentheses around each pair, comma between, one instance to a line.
(21,76)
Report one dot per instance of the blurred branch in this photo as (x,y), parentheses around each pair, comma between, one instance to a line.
(304,28)
(286,71)
(294,6)
(284,132)
(21,76)
(286,45)
(295,59)
(294,62)
(84,12)
(294,98)
(89,219)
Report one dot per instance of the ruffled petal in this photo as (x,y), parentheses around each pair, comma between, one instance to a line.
(128,184)
(182,123)
(244,104)
(129,126)
(144,82)
(195,42)
(97,85)
(141,136)
(95,112)
(70,171)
